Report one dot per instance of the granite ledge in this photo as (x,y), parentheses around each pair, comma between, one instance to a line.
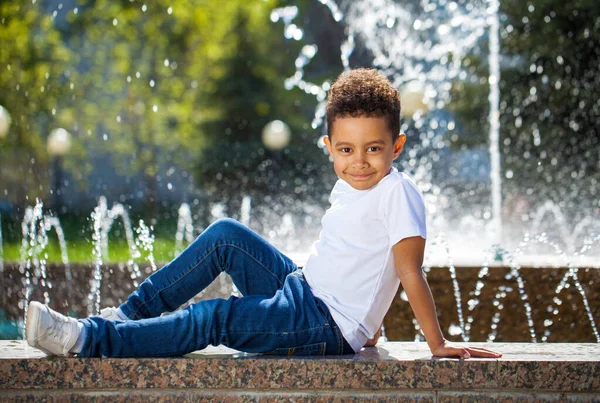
(391,366)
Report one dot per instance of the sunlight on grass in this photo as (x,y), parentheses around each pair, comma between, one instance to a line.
(81,251)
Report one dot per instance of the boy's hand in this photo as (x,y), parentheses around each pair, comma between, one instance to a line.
(446,349)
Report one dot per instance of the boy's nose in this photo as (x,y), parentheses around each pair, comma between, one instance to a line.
(359,159)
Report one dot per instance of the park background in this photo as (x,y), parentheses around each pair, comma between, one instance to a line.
(166,101)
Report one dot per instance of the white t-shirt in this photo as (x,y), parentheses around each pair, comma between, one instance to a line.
(351,267)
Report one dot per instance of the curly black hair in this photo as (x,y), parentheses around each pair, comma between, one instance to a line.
(364,93)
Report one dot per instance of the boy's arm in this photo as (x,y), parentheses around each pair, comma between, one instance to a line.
(372,342)
(408,258)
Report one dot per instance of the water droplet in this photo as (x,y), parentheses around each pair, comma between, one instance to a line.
(454,330)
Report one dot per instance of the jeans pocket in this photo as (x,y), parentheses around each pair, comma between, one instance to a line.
(307,349)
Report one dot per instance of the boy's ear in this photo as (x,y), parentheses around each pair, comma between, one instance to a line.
(399,144)
(328,144)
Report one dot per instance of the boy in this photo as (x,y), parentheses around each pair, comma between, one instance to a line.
(372,238)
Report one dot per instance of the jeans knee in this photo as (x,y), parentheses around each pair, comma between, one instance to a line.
(221,229)
(224,225)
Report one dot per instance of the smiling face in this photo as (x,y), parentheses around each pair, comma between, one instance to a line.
(363,150)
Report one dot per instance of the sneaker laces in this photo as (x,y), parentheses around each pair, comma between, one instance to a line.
(57,329)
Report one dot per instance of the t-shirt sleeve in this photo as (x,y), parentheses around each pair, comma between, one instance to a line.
(405,212)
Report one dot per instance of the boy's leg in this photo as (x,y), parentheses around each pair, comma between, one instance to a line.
(255,266)
(289,320)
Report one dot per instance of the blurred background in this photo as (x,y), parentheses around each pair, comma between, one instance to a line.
(210,103)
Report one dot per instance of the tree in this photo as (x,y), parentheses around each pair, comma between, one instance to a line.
(139,84)
(36,72)
(248,92)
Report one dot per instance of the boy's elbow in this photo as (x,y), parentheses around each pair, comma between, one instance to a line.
(407,271)
(408,255)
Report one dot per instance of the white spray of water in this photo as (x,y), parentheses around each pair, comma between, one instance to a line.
(145,241)
(54,222)
(28,255)
(102,220)
(35,228)
(185,227)
(460,330)
(572,273)
(494,119)
(245,210)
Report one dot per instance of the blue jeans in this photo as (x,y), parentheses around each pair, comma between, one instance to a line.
(277,314)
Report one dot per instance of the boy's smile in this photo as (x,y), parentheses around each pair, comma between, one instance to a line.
(363,150)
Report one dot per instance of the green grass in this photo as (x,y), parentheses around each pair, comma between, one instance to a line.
(81,251)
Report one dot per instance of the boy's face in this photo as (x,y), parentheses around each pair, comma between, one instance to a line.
(362,150)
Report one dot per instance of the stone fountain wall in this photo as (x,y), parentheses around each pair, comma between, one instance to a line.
(570,324)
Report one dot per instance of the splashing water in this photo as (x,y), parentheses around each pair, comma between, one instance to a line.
(35,228)
(102,220)
(145,240)
(28,256)
(572,273)
(460,330)
(185,227)
(95,281)
(245,211)
(54,222)
(494,120)
(422,43)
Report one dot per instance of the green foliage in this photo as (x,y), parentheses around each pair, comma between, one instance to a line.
(34,76)
(151,85)
(249,93)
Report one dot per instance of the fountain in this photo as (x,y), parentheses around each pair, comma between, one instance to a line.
(424,45)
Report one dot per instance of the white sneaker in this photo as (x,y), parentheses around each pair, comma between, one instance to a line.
(50,331)
(113,313)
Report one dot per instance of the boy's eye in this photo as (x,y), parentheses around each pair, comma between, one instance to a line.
(345,149)
(374,148)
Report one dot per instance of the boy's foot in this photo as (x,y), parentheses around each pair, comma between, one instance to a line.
(113,313)
(50,331)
